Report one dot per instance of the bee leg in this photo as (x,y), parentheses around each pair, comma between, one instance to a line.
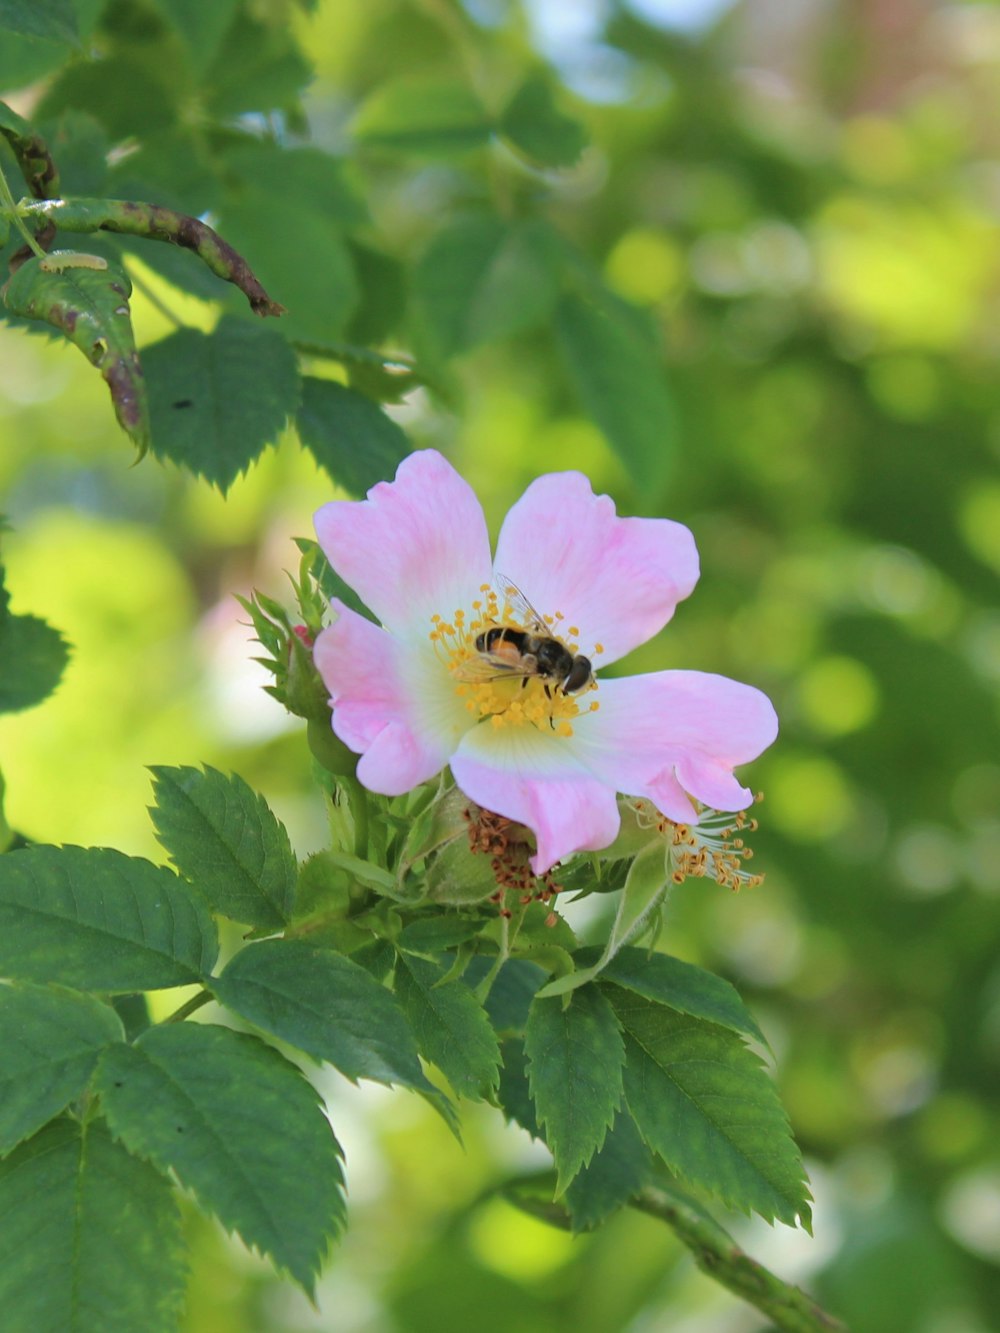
(524,682)
(548,692)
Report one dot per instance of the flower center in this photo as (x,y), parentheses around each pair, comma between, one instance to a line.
(510,671)
(713,848)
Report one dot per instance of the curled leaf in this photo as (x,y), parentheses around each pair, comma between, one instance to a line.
(86,298)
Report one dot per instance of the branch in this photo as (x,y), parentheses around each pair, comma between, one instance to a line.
(157,224)
(788,1307)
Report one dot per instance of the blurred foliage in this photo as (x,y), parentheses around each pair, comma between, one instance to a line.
(790,211)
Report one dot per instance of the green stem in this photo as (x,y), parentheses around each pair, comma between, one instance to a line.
(359,810)
(9,205)
(788,1307)
(189,1006)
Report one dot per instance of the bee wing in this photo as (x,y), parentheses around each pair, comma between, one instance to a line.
(510,595)
(486,667)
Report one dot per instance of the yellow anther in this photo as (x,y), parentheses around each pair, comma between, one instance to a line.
(594,707)
(484,587)
(574,631)
(564,729)
(598,647)
(435,618)
(548,620)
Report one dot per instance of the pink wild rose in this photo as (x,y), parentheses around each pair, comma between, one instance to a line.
(414,694)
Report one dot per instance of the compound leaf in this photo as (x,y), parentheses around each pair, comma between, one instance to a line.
(324,1004)
(52,1038)
(92,918)
(91,1236)
(217,399)
(349,436)
(451,1026)
(241,1127)
(575,1055)
(704,1102)
(224,838)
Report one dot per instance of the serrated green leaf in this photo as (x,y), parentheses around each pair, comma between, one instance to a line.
(128,96)
(301,257)
(621,384)
(91,1237)
(514,1091)
(217,399)
(33,657)
(482,279)
(52,1038)
(436,934)
(575,1057)
(423,118)
(241,1127)
(51,19)
(532,121)
(682,986)
(617,1171)
(451,1027)
(224,838)
(86,298)
(514,987)
(349,435)
(94,919)
(703,1101)
(645,889)
(323,1004)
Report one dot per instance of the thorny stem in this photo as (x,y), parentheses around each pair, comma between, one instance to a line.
(788,1307)
(9,205)
(189,1006)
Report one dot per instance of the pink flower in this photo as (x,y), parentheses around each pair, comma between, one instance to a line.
(408,695)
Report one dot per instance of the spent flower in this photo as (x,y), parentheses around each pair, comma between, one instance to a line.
(459,673)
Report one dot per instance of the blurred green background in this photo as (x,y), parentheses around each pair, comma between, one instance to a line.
(804,199)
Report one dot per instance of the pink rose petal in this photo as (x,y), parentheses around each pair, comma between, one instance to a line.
(617,580)
(392,704)
(534,778)
(417,546)
(671,732)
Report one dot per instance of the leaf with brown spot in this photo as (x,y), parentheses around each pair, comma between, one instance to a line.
(86,298)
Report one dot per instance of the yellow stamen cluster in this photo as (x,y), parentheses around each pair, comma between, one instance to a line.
(514,700)
(713,848)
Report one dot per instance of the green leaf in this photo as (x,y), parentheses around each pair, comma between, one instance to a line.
(91,1237)
(482,279)
(217,399)
(201,26)
(424,118)
(301,257)
(301,177)
(532,121)
(514,1091)
(52,1038)
(703,1101)
(323,1004)
(240,1126)
(682,986)
(86,298)
(33,657)
(224,838)
(451,1027)
(617,1171)
(646,886)
(97,920)
(129,97)
(349,435)
(436,934)
(620,383)
(514,987)
(52,19)
(575,1057)
(257,68)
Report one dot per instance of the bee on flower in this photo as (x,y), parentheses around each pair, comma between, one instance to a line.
(497,674)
